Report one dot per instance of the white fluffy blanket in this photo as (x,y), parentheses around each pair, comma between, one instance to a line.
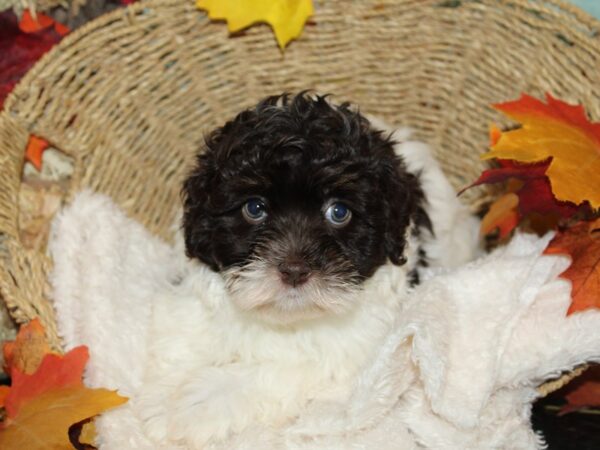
(459,370)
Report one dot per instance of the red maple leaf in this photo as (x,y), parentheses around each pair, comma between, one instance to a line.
(582,243)
(535,193)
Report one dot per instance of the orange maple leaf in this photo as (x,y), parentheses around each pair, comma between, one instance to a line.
(503,215)
(55,371)
(582,243)
(31,24)
(35,149)
(43,404)
(558,131)
(28,349)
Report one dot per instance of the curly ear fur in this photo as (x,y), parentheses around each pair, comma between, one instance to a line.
(402,196)
(405,200)
(197,218)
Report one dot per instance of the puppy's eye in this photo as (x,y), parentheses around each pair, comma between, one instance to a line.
(338,214)
(254,211)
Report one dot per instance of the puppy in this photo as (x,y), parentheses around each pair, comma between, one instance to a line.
(307,229)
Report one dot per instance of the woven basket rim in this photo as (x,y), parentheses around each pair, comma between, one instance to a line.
(556,7)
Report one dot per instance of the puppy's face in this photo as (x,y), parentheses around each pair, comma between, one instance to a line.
(296,202)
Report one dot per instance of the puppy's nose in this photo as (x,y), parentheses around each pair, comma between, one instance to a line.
(294,272)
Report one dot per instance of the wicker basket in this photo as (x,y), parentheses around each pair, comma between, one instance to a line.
(130,95)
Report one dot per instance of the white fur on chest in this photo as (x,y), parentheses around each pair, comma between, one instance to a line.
(208,353)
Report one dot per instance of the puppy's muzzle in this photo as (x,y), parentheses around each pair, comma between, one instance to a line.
(294,272)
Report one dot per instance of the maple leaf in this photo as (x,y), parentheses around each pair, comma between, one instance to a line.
(503,215)
(34,151)
(42,405)
(532,195)
(535,193)
(28,350)
(55,371)
(558,131)
(30,24)
(4,390)
(286,17)
(582,243)
(44,421)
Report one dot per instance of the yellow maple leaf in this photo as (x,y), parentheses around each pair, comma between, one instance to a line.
(559,131)
(286,17)
(37,425)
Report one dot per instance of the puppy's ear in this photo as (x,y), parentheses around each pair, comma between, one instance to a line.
(405,206)
(198,223)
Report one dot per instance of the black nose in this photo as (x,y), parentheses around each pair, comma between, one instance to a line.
(294,272)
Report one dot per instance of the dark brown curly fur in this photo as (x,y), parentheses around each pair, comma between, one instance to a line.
(297,153)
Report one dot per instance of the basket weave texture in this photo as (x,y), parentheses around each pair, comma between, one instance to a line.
(130,95)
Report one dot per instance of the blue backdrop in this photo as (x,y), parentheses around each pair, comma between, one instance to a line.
(591,6)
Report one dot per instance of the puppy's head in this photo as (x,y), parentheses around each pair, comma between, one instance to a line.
(297,201)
